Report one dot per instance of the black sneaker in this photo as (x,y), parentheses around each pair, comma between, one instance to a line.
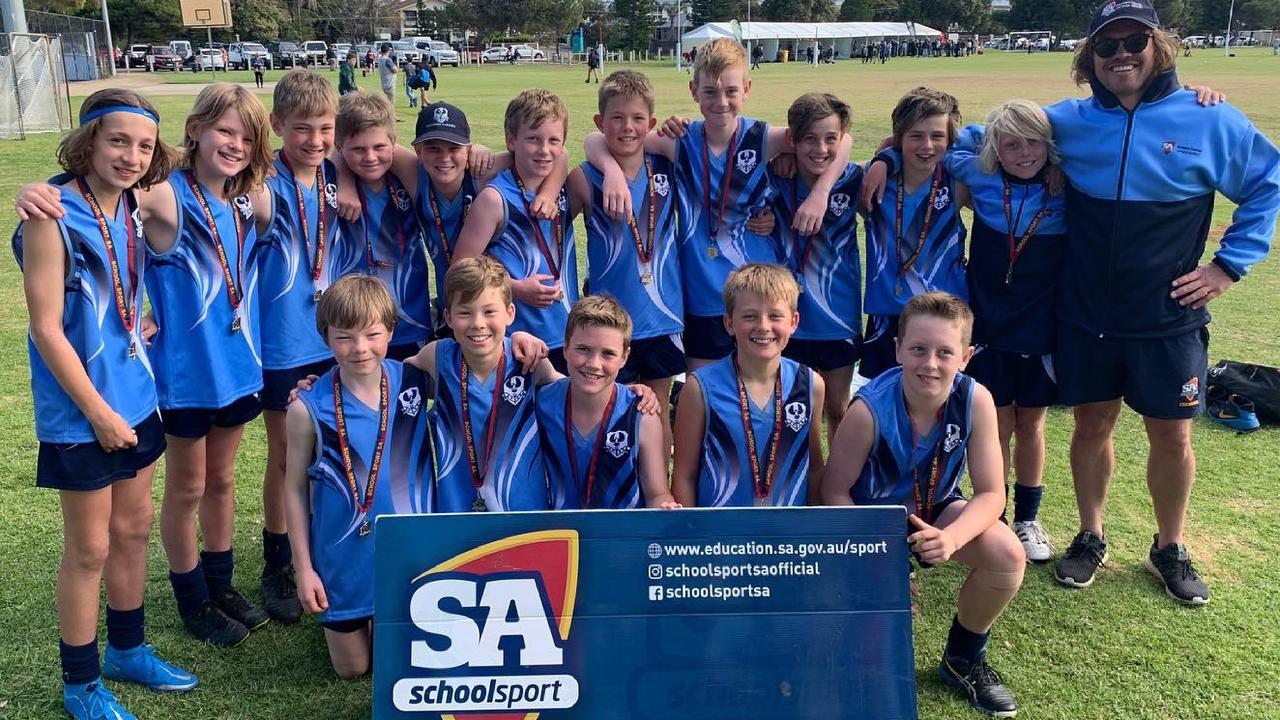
(280,595)
(1173,566)
(980,683)
(214,626)
(240,608)
(1081,561)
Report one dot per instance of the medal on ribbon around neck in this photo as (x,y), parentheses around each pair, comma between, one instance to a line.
(644,250)
(234,283)
(365,504)
(127,311)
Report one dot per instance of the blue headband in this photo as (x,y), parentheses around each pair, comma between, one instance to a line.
(95,114)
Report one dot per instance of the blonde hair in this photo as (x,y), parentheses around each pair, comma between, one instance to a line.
(362,110)
(599,311)
(532,108)
(940,305)
(211,104)
(921,103)
(75,151)
(812,107)
(469,277)
(303,94)
(1165,56)
(717,57)
(771,282)
(1015,118)
(355,301)
(626,84)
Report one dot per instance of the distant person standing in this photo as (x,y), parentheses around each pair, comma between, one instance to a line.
(259,69)
(387,69)
(411,83)
(593,64)
(757,54)
(347,75)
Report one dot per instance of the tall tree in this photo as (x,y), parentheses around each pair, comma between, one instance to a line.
(1172,13)
(634,23)
(1264,13)
(257,20)
(822,11)
(787,10)
(145,20)
(705,11)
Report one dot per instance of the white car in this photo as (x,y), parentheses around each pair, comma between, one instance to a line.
(243,55)
(317,52)
(523,52)
(439,53)
(340,50)
(211,59)
(1069,44)
(406,52)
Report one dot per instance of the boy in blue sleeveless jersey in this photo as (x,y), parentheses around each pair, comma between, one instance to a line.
(600,450)
(722,181)
(388,227)
(95,396)
(904,441)
(358,448)
(825,264)
(636,259)
(744,426)
(540,255)
(915,238)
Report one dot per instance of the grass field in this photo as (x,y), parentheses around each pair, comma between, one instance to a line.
(1117,650)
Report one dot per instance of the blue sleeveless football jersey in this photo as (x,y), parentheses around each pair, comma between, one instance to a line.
(388,230)
(513,474)
(92,322)
(207,354)
(617,472)
(899,468)
(515,245)
(826,265)
(441,233)
(711,208)
(650,291)
(341,554)
(939,262)
(287,265)
(725,476)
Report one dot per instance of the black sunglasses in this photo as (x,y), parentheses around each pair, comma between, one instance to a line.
(1108,47)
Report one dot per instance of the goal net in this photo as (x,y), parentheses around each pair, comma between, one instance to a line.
(32,86)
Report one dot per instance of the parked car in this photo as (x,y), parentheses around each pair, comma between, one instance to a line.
(439,53)
(340,50)
(286,53)
(181,47)
(528,52)
(162,57)
(317,52)
(1195,41)
(494,53)
(212,59)
(1069,44)
(1244,40)
(243,55)
(406,52)
(137,54)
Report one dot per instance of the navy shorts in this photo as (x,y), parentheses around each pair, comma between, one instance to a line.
(705,337)
(1014,379)
(1162,378)
(346,626)
(822,355)
(277,384)
(403,351)
(86,466)
(197,422)
(936,511)
(653,358)
(877,352)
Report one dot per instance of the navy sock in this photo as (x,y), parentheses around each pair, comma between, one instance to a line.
(125,628)
(276,552)
(189,589)
(1026,502)
(964,643)
(79,662)
(218,567)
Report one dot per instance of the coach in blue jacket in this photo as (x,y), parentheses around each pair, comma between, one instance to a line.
(1144,162)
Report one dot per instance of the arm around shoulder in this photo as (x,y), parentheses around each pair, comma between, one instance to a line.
(691,425)
(482,222)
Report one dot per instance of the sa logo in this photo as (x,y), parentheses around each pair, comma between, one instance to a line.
(496,621)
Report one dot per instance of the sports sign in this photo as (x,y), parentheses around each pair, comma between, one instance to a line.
(797,613)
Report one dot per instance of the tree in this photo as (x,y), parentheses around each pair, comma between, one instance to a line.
(786,10)
(145,19)
(634,23)
(532,17)
(1065,18)
(1172,13)
(706,11)
(258,20)
(822,11)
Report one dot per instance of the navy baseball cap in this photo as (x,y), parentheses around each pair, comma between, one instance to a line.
(442,121)
(1138,10)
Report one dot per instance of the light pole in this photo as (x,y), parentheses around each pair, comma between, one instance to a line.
(679,37)
(1226,44)
(111,48)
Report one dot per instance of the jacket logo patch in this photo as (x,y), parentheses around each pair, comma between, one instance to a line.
(1168,147)
(1190,393)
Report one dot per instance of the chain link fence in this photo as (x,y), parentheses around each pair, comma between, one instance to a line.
(89,55)
(33,86)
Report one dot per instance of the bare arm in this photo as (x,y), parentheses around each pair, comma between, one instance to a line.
(849,452)
(404,165)
(579,194)
(546,205)
(691,426)
(159,208)
(808,217)
(614,192)
(545,374)
(816,465)
(985,473)
(297,505)
(653,464)
(263,209)
(482,222)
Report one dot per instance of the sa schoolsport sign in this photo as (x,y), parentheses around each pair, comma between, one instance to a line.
(795,613)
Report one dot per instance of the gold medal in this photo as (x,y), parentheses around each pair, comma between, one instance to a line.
(646,277)
(713,252)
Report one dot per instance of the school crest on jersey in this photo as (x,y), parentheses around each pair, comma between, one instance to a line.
(242,204)
(943,199)
(400,198)
(411,402)
(562,201)
(796,415)
(513,390)
(616,443)
(951,440)
(746,161)
(331,194)
(136,214)
(661,184)
(839,204)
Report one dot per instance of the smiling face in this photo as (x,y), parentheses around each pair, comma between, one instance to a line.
(446,162)
(368,154)
(761,327)
(595,354)
(122,149)
(359,351)
(1125,74)
(721,98)
(224,148)
(480,325)
(931,351)
(536,149)
(625,122)
(306,141)
(815,148)
(924,143)
(1021,157)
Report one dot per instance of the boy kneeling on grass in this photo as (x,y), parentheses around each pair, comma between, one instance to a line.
(904,441)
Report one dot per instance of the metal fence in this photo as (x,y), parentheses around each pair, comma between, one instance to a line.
(92,51)
(33,86)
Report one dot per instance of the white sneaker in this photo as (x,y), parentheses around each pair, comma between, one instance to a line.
(1035,541)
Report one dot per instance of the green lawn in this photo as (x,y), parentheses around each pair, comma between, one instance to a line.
(1117,650)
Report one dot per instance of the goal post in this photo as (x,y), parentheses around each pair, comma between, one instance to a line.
(33,86)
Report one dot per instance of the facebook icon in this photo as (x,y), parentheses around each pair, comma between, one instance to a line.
(655,592)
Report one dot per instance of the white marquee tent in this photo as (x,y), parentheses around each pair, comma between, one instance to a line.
(772,36)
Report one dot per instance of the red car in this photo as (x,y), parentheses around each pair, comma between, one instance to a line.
(162,57)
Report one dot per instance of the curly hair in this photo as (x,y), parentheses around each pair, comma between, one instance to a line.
(75,152)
